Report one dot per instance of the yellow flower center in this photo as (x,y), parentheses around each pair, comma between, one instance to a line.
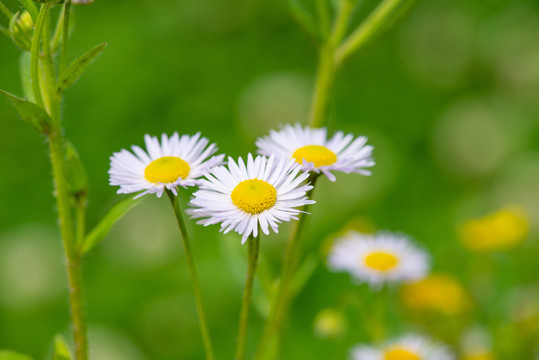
(400,354)
(381,261)
(166,170)
(254,196)
(319,155)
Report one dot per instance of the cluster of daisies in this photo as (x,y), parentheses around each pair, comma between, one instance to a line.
(384,259)
(243,196)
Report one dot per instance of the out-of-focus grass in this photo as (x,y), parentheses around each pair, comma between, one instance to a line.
(448,99)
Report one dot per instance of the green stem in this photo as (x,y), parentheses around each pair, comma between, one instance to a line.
(284,293)
(324,82)
(65,36)
(63,198)
(192,272)
(327,67)
(378,328)
(73,257)
(58,30)
(365,31)
(34,61)
(323,17)
(254,244)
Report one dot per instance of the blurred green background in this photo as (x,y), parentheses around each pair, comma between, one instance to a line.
(449,99)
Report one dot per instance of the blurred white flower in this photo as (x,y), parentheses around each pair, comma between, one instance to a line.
(409,347)
(378,258)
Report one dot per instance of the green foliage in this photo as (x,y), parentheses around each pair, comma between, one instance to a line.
(30,112)
(61,349)
(105,224)
(11,355)
(21,29)
(24,67)
(74,71)
(76,173)
(31,7)
(303,17)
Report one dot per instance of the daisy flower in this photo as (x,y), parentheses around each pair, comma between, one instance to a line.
(176,161)
(409,347)
(315,152)
(242,197)
(379,258)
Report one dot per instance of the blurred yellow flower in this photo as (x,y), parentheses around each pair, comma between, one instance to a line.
(501,230)
(329,323)
(438,292)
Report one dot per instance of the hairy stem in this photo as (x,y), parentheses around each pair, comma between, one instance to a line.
(63,195)
(192,272)
(284,294)
(254,243)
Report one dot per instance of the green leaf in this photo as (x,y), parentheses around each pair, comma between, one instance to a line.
(61,349)
(99,232)
(31,7)
(24,69)
(30,112)
(74,71)
(11,355)
(76,173)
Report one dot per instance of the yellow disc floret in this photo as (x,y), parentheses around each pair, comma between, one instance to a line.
(254,196)
(400,354)
(166,170)
(319,155)
(381,261)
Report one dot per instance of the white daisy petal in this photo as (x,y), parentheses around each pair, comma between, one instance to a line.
(175,161)
(251,197)
(315,152)
(378,258)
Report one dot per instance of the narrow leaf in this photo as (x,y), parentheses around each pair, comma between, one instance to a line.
(61,349)
(31,7)
(11,355)
(74,71)
(76,173)
(26,81)
(30,112)
(99,232)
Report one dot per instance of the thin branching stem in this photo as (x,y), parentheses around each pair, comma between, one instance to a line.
(193,273)
(327,66)
(366,30)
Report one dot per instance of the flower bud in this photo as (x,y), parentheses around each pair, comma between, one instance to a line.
(21,28)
